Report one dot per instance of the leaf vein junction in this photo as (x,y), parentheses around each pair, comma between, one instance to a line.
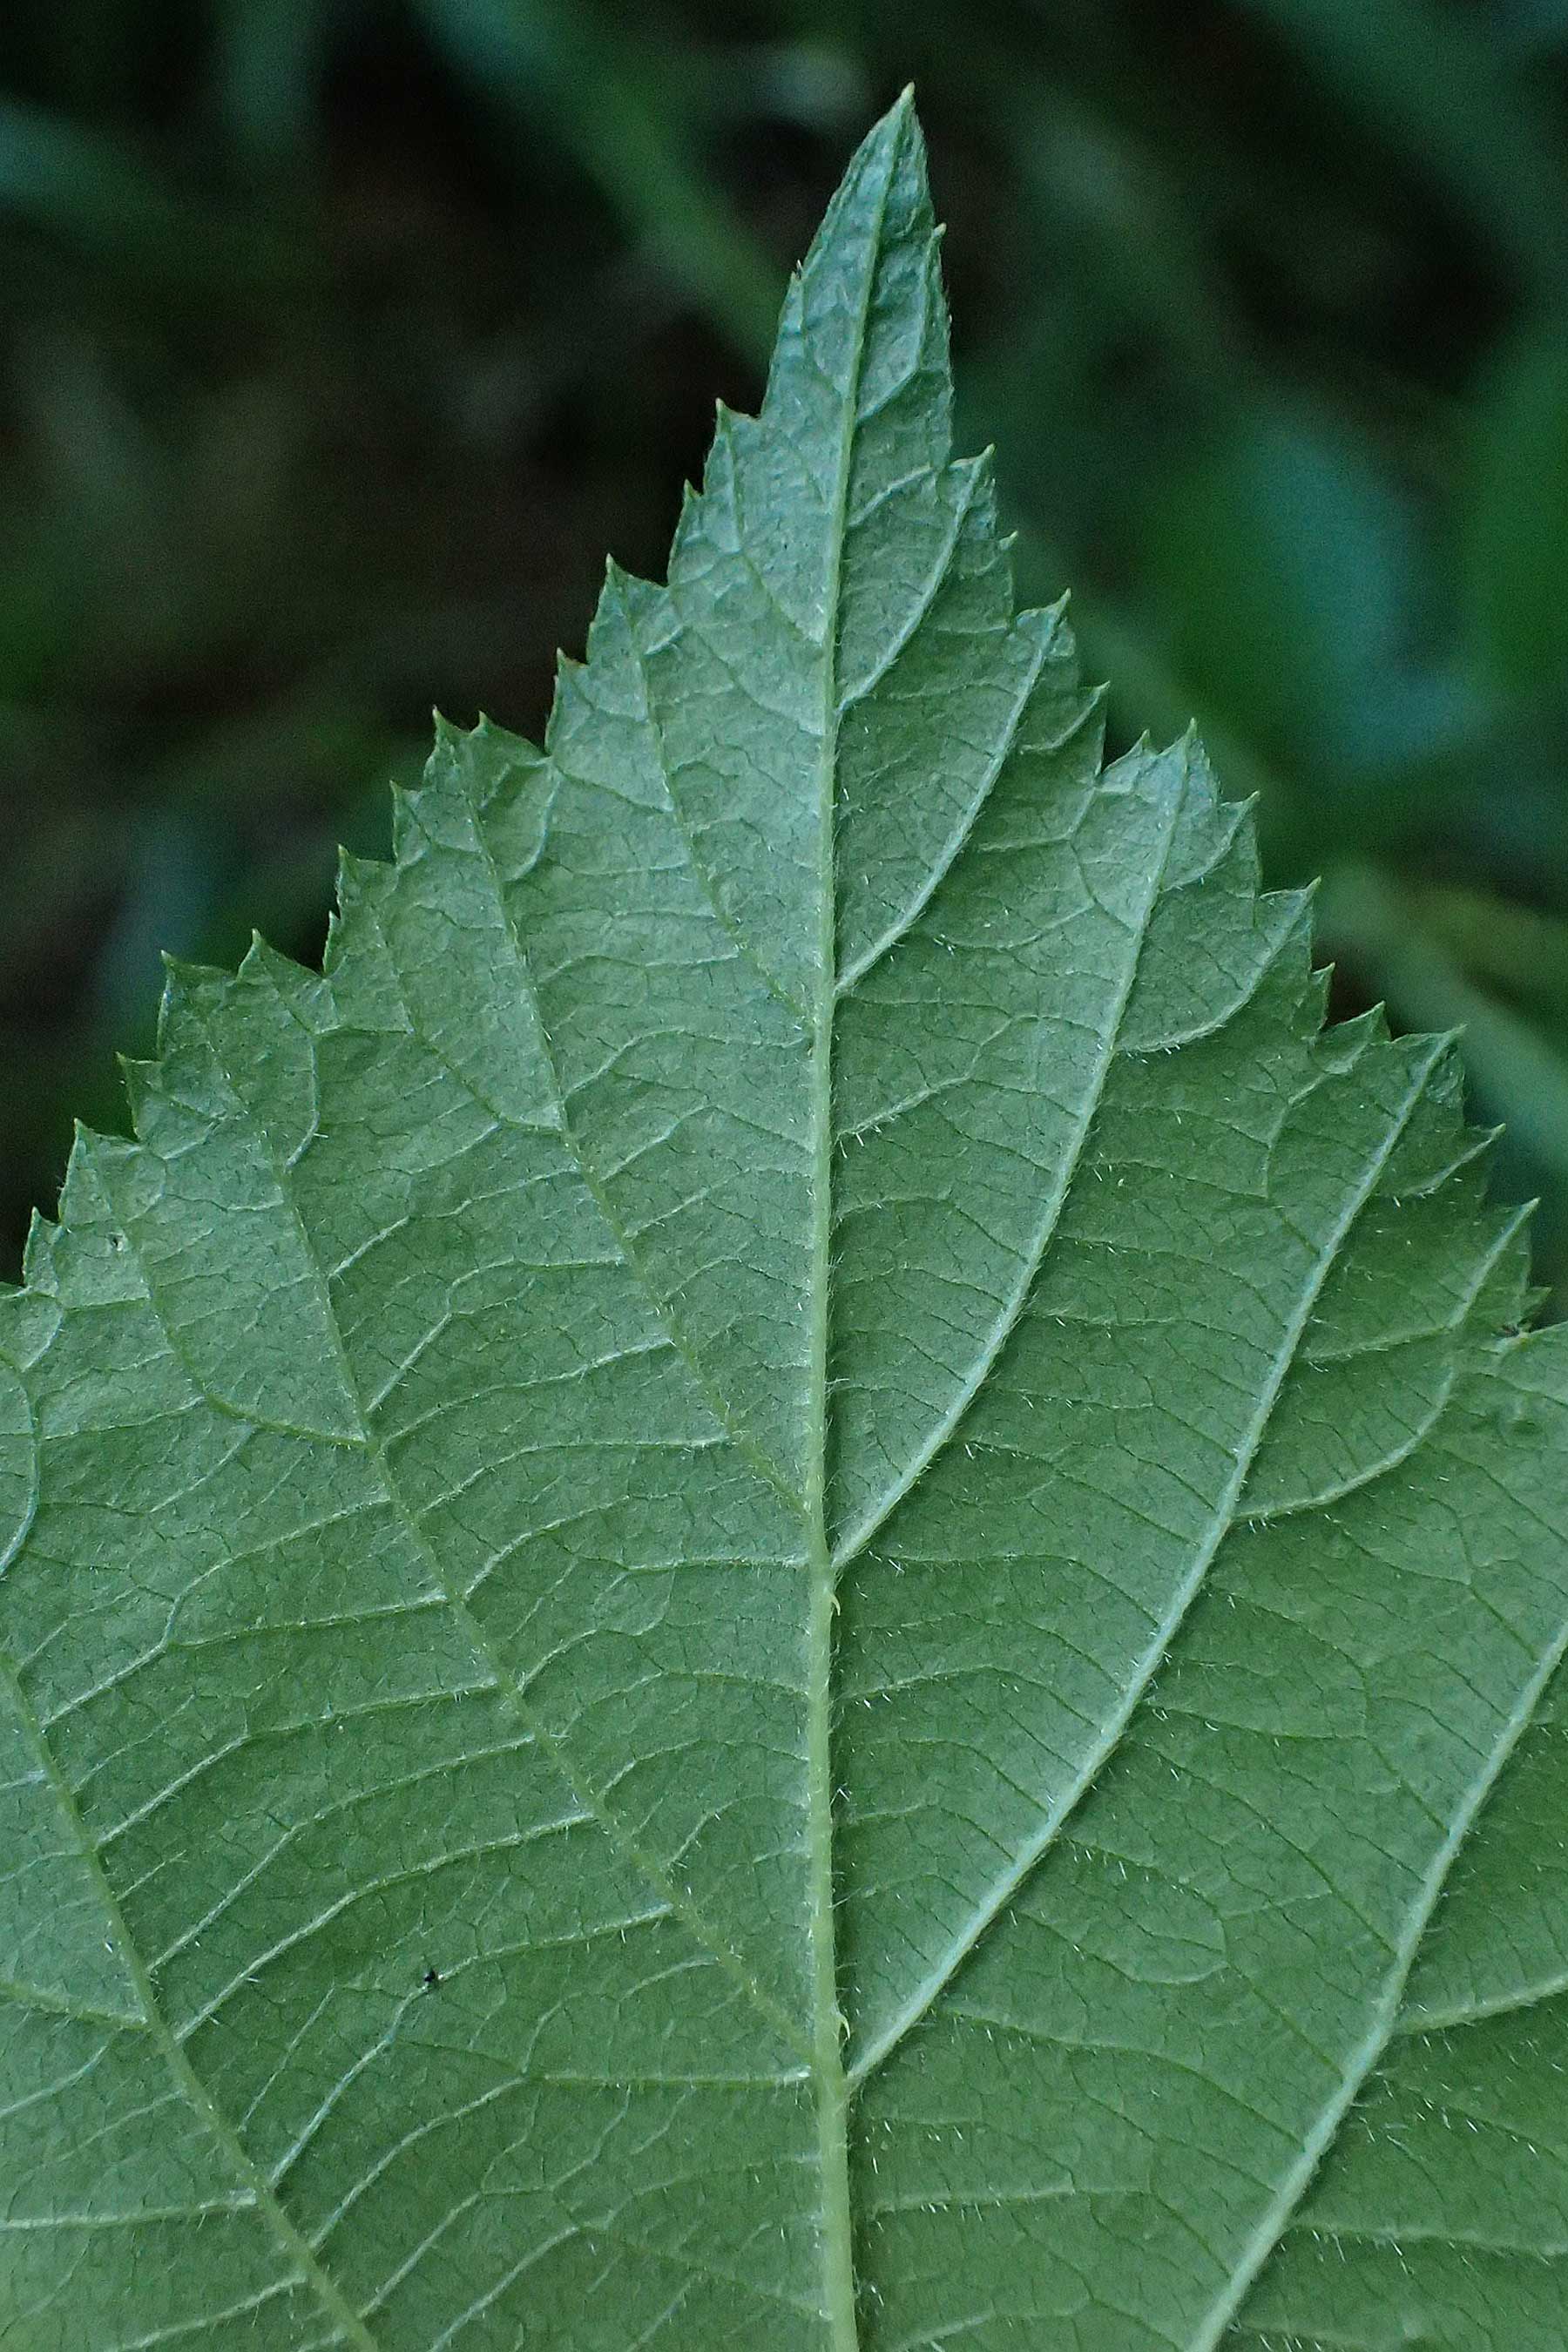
(931,1990)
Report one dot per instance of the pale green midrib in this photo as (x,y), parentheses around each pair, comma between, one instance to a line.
(828,2031)
(1005,1890)
(188,2083)
(1275,2224)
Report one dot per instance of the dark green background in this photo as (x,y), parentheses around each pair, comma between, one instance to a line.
(341,339)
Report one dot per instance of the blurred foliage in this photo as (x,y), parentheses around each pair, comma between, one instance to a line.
(339,339)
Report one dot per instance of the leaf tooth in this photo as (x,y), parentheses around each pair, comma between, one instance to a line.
(38,1251)
(263,961)
(1350,1037)
(407,833)
(139,1077)
(361,883)
(194,995)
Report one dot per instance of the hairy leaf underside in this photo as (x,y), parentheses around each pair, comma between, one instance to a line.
(792,1581)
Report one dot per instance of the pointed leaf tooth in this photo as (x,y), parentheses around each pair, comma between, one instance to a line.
(140,1078)
(406,836)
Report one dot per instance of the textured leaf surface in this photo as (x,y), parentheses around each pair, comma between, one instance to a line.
(791,1580)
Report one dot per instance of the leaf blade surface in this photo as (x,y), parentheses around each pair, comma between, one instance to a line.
(790,1578)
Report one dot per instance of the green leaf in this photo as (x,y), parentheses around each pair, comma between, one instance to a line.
(791,1581)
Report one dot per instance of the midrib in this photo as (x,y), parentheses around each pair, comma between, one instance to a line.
(827,2029)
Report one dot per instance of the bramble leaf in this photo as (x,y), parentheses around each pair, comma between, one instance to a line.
(791,1580)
